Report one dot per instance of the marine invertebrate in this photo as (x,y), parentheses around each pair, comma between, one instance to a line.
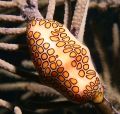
(29,9)
(65,62)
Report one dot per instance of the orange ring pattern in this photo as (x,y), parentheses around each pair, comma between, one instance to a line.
(55,75)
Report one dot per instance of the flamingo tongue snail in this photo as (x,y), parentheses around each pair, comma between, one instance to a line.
(64,62)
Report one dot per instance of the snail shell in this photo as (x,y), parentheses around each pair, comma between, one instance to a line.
(63,61)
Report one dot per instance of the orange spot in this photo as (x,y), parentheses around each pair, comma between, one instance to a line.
(76,46)
(65,74)
(66,50)
(84,51)
(32,41)
(44,56)
(42,22)
(40,41)
(46,45)
(95,87)
(75,89)
(67,84)
(54,25)
(59,62)
(81,73)
(66,38)
(60,44)
(68,46)
(52,58)
(39,62)
(33,22)
(45,64)
(48,25)
(53,65)
(71,42)
(72,54)
(86,66)
(85,91)
(36,35)
(51,51)
(40,49)
(36,55)
(61,78)
(85,59)
(47,70)
(78,58)
(62,35)
(90,74)
(34,48)
(79,66)
(54,33)
(97,81)
(30,34)
(60,69)
(73,81)
(88,88)
(92,84)
(54,73)
(73,63)
(54,38)
(77,50)
(61,30)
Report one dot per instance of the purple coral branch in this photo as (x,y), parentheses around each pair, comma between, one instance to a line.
(19,71)
(9,106)
(79,18)
(11,47)
(67,14)
(11,18)
(17,110)
(12,31)
(51,9)
(29,9)
(8,4)
(29,86)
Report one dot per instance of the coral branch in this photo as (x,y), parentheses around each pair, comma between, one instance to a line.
(7,4)
(27,95)
(51,9)
(17,110)
(7,66)
(11,47)
(116,43)
(12,31)
(106,71)
(29,86)
(94,4)
(29,8)
(6,104)
(106,107)
(9,106)
(21,72)
(79,19)
(11,18)
(67,15)
(27,64)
